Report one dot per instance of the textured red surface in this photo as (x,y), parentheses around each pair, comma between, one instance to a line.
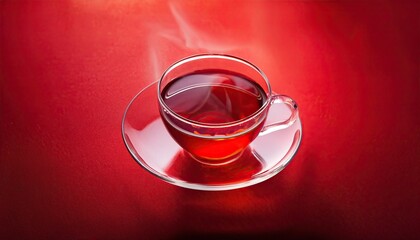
(69,68)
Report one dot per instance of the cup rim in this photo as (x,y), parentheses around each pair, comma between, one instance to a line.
(214,125)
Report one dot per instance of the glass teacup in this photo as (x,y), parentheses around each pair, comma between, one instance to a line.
(215,105)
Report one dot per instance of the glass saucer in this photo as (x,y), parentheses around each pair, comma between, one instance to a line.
(153,148)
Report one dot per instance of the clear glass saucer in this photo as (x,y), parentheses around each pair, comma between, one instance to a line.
(148,141)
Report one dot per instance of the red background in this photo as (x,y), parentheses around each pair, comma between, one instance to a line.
(69,68)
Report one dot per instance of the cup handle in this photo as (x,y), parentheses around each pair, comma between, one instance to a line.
(278,125)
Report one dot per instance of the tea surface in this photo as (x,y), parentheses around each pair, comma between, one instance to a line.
(213,96)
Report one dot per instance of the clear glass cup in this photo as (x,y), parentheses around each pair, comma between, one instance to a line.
(224,141)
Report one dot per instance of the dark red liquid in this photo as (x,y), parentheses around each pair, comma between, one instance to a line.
(216,97)
(213,97)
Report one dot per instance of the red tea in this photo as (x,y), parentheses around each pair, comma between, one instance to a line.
(216,98)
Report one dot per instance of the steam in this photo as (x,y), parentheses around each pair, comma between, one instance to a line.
(195,39)
(180,38)
(172,31)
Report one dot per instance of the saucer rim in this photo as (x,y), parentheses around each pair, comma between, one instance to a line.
(258,178)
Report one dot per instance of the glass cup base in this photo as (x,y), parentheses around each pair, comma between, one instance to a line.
(216,162)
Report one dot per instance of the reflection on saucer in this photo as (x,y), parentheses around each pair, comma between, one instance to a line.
(240,170)
(154,142)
